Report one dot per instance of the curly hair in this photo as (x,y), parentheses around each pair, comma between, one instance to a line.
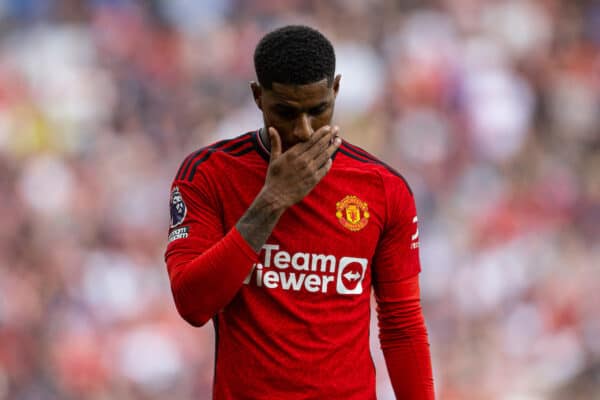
(294,54)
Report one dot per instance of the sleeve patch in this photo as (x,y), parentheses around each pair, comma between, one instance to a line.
(179,233)
(178,208)
(414,238)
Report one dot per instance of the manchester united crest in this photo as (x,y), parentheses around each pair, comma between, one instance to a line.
(352,212)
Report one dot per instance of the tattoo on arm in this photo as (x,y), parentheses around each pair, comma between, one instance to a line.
(258,222)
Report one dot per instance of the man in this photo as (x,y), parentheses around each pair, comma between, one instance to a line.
(279,234)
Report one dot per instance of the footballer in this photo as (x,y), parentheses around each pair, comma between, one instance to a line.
(280,235)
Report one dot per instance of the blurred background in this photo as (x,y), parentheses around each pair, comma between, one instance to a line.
(490,109)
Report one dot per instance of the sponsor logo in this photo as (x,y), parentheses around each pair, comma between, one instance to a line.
(179,233)
(178,208)
(351,272)
(352,213)
(310,272)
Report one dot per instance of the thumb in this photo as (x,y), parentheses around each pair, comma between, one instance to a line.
(275,143)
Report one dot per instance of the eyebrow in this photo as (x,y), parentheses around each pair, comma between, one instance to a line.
(284,106)
(288,107)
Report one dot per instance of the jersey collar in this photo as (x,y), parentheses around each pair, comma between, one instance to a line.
(261,148)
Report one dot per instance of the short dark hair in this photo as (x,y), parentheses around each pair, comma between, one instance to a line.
(294,54)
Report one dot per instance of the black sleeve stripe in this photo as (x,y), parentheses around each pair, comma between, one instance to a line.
(210,151)
(354,156)
(242,152)
(363,156)
(207,151)
(185,166)
(186,163)
(359,151)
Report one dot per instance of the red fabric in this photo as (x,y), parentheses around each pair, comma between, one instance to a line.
(292,323)
(220,271)
(403,338)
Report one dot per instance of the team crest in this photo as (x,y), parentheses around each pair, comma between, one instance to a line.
(352,212)
(178,208)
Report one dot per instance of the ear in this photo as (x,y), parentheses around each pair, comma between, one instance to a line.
(336,85)
(257,94)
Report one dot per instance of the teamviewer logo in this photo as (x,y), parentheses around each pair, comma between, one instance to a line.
(351,272)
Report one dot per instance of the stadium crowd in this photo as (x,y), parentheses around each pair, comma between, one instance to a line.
(490,109)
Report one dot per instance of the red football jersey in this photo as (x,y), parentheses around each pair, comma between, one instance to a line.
(293,321)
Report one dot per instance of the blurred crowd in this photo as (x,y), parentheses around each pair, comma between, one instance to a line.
(489,108)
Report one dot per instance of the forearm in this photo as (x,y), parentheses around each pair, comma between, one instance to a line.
(260,219)
(204,284)
(405,347)
(404,341)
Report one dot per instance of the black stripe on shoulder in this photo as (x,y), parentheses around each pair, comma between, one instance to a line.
(243,151)
(189,160)
(355,156)
(184,168)
(358,150)
(226,148)
(359,154)
(185,165)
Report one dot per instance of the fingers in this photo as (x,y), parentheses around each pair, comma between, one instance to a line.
(311,156)
(275,143)
(323,139)
(296,172)
(326,155)
(323,170)
(325,147)
(302,147)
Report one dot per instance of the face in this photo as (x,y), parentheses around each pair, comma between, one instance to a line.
(296,111)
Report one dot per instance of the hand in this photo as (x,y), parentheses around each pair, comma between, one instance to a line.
(290,177)
(293,174)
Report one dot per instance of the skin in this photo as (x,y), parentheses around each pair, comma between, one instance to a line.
(297,130)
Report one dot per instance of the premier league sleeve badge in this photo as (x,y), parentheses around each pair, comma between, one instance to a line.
(178,208)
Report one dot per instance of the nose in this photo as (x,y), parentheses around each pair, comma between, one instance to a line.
(303,128)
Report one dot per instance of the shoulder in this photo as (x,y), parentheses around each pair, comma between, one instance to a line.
(356,157)
(235,147)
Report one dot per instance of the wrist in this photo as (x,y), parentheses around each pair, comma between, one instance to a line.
(258,222)
(271,202)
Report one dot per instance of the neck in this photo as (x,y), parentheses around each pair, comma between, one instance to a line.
(264,138)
